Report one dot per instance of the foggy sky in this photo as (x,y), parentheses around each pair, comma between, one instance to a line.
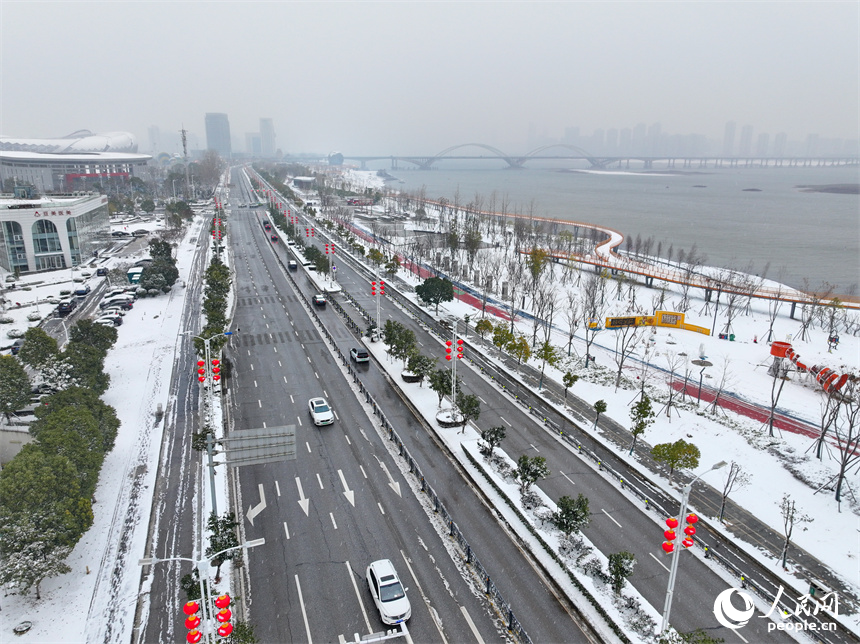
(416,77)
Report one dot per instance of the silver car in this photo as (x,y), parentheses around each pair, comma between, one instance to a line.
(388,593)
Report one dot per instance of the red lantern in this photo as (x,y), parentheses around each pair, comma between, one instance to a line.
(192,622)
(670,535)
(692,518)
(668,547)
(216,370)
(215,363)
(689,531)
(223,615)
(687,542)
(672,522)
(200,363)
(190,608)
(201,371)
(193,636)
(225,629)
(201,378)
(216,377)
(222,601)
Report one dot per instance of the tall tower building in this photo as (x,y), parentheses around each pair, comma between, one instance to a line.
(729,139)
(745,145)
(267,138)
(218,134)
(762,145)
(779,143)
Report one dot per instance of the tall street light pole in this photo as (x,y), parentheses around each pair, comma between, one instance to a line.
(667,606)
(201,565)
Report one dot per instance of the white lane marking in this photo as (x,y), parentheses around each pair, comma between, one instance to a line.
(286,530)
(308,445)
(292,400)
(299,418)
(613,520)
(380,507)
(471,624)
(349,442)
(276,349)
(280,365)
(741,636)
(332,520)
(535,448)
(277,488)
(260,404)
(315,373)
(252,366)
(658,561)
(304,612)
(357,594)
(285,378)
(249,352)
(505,421)
(426,600)
(567,477)
(319,480)
(361,467)
(264,424)
(255,383)
(335,414)
(482,400)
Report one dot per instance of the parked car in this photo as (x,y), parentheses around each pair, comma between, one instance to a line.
(359,355)
(105,322)
(119,233)
(140,232)
(321,413)
(65,307)
(116,319)
(388,593)
(117,302)
(16,347)
(83,291)
(114,310)
(101,272)
(319,299)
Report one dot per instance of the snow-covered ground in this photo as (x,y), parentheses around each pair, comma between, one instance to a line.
(104,574)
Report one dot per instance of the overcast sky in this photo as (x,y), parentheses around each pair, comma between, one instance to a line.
(417,77)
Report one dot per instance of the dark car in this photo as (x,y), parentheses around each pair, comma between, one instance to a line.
(83,291)
(101,272)
(275,238)
(319,300)
(16,347)
(293,265)
(64,308)
(119,233)
(140,233)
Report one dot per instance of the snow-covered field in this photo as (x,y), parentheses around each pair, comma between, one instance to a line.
(104,564)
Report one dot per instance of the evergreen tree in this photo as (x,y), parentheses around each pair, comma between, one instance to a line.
(469,407)
(87,366)
(493,437)
(222,535)
(529,470)
(421,365)
(677,454)
(29,553)
(95,335)
(14,386)
(435,290)
(642,416)
(620,568)
(78,397)
(38,349)
(572,514)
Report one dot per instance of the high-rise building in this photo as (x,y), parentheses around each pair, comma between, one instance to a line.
(612,140)
(779,142)
(655,133)
(762,145)
(638,142)
(218,134)
(729,139)
(267,138)
(253,144)
(745,145)
(624,140)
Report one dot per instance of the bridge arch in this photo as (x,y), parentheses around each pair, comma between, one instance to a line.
(426,163)
(594,161)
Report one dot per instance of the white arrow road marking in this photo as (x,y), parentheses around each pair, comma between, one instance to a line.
(253,511)
(394,485)
(349,494)
(305,503)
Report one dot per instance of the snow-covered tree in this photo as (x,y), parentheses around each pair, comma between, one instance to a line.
(14,386)
(29,554)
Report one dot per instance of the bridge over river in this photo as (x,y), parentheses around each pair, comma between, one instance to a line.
(565,152)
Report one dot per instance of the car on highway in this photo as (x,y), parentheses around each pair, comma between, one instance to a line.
(293,265)
(274,239)
(388,593)
(359,355)
(321,413)
(319,299)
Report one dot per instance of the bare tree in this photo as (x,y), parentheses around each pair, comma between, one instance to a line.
(773,307)
(515,286)
(593,308)
(674,362)
(573,318)
(735,477)
(721,384)
(847,434)
(791,516)
(626,338)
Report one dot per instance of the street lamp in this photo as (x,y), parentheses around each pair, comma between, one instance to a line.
(209,388)
(201,565)
(667,606)
(174,189)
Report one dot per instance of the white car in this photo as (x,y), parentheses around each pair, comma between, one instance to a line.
(321,413)
(388,593)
